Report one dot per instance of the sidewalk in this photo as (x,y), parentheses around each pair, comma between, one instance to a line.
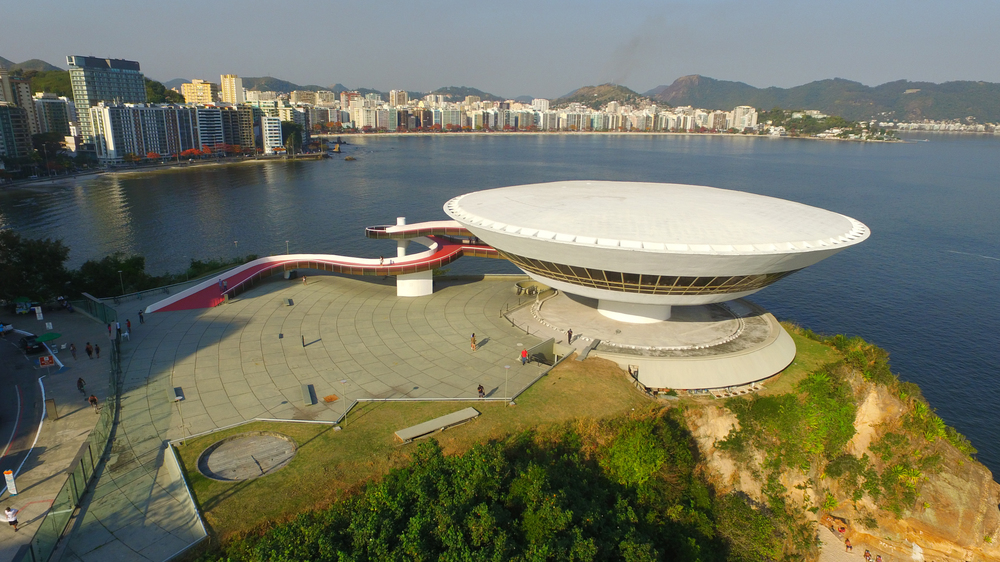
(60,440)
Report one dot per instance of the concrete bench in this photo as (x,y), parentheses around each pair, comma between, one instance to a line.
(308,394)
(437,424)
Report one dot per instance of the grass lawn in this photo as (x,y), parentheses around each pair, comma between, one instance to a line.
(809,356)
(330,463)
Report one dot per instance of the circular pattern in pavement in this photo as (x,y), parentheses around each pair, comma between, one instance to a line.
(246,456)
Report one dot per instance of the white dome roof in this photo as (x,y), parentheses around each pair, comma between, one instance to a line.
(655,217)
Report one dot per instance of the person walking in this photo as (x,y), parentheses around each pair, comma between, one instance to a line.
(303,279)
(128,325)
(90,351)
(72,350)
(847,545)
(11,514)
(93,402)
(81,385)
(473,341)
(569,335)
(118,330)
(225,285)
(482,391)
(109,331)
(97,350)
(142,319)
(524,357)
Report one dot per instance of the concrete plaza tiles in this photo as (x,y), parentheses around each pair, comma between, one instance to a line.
(232,366)
(245,359)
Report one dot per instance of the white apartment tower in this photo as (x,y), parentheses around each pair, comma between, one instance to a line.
(540,104)
(232,89)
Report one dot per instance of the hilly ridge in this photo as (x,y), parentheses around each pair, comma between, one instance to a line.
(899,100)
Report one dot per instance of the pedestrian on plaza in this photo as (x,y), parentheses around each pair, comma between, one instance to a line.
(847,545)
(381,260)
(72,350)
(303,279)
(569,335)
(220,285)
(118,329)
(93,402)
(90,351)
(97,350)
(80,385)
(11,514)
(128,325)
(482,391)
(473,341)
(524,357)
(142,319)
(225,285)
(878,558)
(868,556)
(109,331)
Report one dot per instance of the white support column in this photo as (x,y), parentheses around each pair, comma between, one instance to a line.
(633,313)
(401,244)
(415,284)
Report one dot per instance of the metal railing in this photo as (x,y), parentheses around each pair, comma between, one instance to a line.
(81,475)
(93,307)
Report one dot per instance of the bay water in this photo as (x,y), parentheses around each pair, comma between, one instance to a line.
(924,286)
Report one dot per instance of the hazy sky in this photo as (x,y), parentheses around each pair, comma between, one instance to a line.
(542,49)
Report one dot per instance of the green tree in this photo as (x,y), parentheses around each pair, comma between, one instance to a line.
(33,268)
(158,93)
(101,278)
(291,134)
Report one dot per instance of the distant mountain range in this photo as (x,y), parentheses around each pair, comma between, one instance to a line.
(33,64)
(900,100)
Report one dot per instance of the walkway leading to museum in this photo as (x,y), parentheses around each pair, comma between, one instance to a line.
(446,242)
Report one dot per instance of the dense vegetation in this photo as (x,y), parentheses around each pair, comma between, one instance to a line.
(595,97)
(899,100)
(806,432)
(36,269)
(622,490)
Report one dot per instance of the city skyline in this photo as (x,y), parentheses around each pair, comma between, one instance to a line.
(541,51)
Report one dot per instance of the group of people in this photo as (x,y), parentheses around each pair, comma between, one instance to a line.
(81,385)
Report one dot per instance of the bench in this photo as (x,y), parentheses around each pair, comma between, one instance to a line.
(308,394)
(437,424)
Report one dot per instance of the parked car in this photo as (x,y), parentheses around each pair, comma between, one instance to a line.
(30,344)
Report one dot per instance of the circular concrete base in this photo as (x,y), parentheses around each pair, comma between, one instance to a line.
(246,456)
(633,313)
(699,347)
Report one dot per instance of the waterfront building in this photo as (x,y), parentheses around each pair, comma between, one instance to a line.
(640,248)
(96,80)
(18,92)
(270,130)
(540,104)
(15,133)
(121,130)
(231,89)
(346,97)
(200,92)
(744,117)
(54,113)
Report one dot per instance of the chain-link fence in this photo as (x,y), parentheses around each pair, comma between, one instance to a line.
(88,462)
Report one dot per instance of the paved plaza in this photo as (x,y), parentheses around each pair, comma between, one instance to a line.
(245,359)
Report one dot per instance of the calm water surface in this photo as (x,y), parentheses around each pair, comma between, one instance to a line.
(924,286)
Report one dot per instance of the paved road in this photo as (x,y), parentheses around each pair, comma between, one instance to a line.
(20,403)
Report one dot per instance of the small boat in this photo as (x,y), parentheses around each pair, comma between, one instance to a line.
(350,159)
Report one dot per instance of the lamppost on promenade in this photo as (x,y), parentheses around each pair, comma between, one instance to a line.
(122,279)
(286,247)
(343,385)
(236,243)
(506,377)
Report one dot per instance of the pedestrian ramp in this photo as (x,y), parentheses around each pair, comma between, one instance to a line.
(437,424)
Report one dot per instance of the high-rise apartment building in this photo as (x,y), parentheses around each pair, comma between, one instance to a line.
(540,104)
(303,96)
(270,132)
(200,92)
(95,80)
(18,92)
(232,89)
(53,113)
(15,135)
(398,98)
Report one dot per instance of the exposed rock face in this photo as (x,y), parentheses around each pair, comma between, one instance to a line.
(955,517)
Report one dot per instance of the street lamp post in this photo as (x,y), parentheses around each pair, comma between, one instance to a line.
(343,385)
(122,279)
(506,377)
(286,247)
(236,243)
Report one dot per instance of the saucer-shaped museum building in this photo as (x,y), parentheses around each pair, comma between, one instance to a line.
(640,248)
